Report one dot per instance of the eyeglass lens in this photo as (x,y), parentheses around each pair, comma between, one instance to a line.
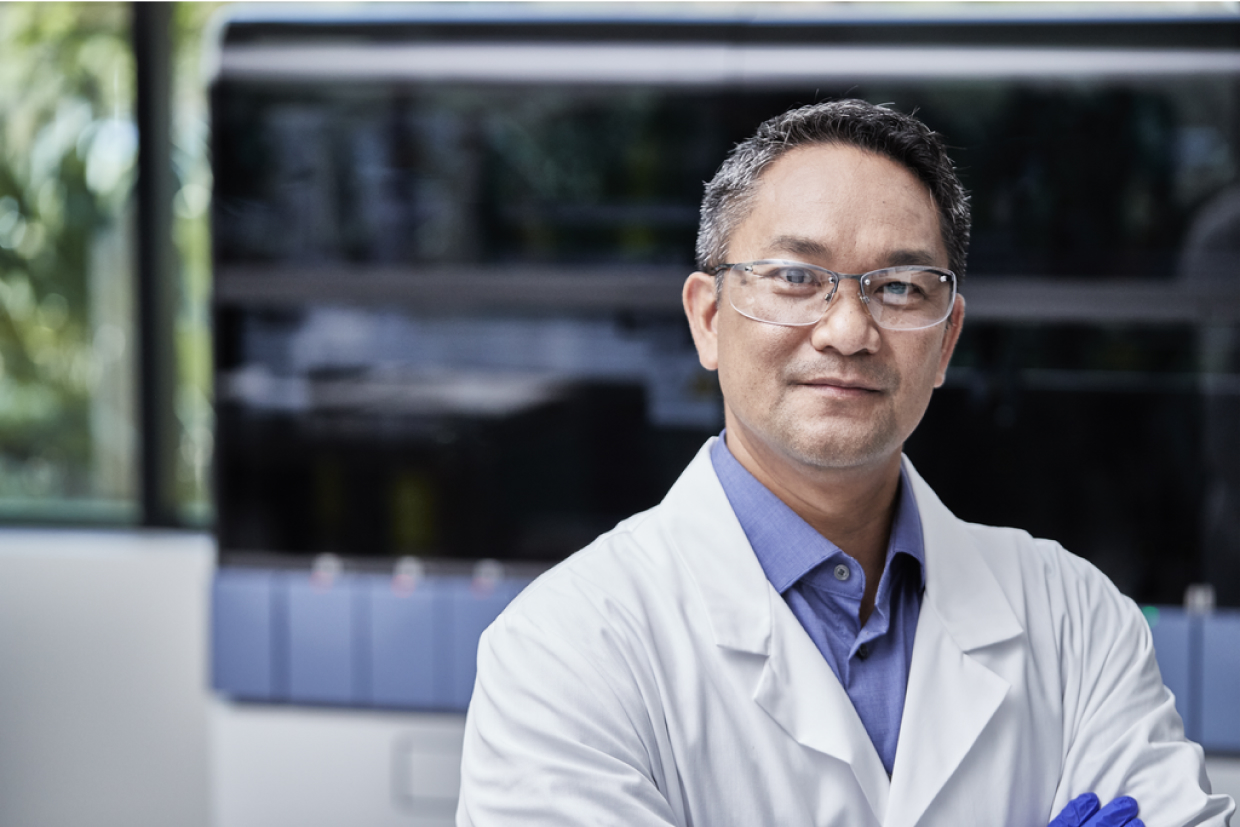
(789,293)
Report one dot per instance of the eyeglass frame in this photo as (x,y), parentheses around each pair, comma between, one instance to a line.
(858,277)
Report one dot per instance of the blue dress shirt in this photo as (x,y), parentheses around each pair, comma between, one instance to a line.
(823,586)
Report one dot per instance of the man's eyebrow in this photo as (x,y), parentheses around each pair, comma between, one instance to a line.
(924,257)
(799,246)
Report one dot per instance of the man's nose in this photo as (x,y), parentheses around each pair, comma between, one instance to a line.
(847,327)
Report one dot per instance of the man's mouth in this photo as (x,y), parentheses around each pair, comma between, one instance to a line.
(842,385)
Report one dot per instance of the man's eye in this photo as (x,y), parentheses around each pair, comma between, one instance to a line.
(797,275)
(899,290)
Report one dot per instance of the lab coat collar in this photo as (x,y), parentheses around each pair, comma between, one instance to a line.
(712,544)
(951,695)
(959,584)
(796,686)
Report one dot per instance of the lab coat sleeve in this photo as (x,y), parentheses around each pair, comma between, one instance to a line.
(1122,734)
(558,731)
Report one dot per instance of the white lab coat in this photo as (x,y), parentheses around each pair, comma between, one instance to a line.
(657,678)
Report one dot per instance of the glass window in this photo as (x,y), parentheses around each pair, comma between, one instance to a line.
(191,229)
(67,150)
(68,365)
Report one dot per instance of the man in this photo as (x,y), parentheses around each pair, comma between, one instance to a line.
(801,633)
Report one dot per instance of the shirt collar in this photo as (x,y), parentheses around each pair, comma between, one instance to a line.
(787,547)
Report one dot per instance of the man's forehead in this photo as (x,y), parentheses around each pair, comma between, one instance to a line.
(813,250)
(805,201)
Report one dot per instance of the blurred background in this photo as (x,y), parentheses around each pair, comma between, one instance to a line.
(325,327)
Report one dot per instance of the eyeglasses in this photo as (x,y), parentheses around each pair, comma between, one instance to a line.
(792,294)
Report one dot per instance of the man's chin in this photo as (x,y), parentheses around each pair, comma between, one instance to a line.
(831,452)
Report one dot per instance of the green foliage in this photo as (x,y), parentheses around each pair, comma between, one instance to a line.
(67,151)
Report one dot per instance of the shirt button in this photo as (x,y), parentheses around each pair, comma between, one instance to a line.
(842,573)
(863,651)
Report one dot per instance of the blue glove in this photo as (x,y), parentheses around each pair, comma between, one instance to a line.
(1083,811)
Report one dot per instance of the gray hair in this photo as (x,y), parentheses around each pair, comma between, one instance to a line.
(902,138)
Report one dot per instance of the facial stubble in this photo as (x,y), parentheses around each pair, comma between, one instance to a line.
(838,441)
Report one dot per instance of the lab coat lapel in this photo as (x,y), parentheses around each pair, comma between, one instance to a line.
(706,535)
(796,687)
(951,694)
(801,693)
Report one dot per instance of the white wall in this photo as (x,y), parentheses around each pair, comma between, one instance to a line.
(284,766)
(103,700)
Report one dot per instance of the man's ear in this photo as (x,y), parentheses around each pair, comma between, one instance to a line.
(702,309)
(951,335)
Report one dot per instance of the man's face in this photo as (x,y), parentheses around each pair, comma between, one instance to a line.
(843,393)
